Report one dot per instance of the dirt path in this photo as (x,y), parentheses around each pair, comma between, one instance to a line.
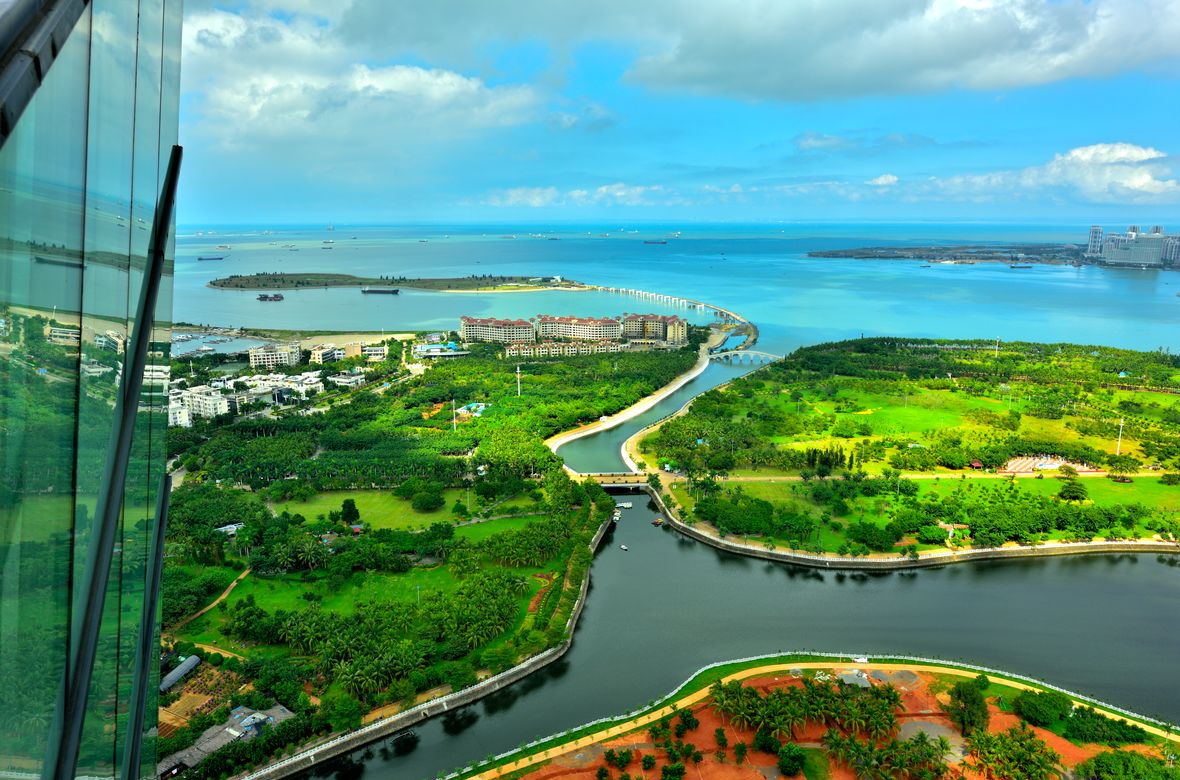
(704,693)
(216,649)
(216,601)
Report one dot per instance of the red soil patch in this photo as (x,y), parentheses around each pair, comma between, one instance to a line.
(1071,754)
(535,602)
(917,702)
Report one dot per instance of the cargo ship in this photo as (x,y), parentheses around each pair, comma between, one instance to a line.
(655,242)
(275,297)
(1020,266)
(212,257)
(380,290)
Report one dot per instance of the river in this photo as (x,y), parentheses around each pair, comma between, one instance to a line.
(1102,625)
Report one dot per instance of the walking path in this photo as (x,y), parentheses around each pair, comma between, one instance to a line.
(216,601)
(760,671)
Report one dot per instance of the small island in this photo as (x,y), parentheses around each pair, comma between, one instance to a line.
(473,283)
(1016,255)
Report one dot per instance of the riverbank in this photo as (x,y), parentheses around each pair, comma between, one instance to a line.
(697,688)
(641,406)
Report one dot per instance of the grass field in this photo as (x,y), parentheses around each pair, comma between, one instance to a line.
(1144,490)
(477,532)
(378,508)
(38,517)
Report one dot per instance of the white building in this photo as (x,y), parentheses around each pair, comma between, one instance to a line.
(202,401)
(563,349)
(1094,247)
(496,330)
(666,328)
(330,353)
(178,414)
(579,328)
(1151,249)
(301,384)
(274,355)
(347,380)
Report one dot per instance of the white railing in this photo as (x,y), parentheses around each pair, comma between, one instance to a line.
(788,657)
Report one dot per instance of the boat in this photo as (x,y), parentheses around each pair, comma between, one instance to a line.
(328,241)
(212,257)
(380,290)
(205,349)
(275,297)
(623,547)
(925,266)
(658,521)
(1020,266)
(221,246)
(655,242)
(624,505)
(327,247)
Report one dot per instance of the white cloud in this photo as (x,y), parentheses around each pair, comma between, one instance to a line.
(534,197)
(616,194)
(283,85)
(1101,173)
(884,180)
(804,49)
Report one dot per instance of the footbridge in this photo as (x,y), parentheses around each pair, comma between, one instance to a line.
(742,355)
(615,478)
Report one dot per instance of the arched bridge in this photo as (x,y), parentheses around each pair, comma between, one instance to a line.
(740,356)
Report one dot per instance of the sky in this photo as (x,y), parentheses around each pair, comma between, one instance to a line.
(628,111)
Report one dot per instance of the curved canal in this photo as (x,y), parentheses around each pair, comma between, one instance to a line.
(1101,625)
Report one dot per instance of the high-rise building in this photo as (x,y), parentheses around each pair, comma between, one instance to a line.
(88,118)
(1094,247)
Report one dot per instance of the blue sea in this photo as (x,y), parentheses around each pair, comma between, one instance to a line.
(761,271)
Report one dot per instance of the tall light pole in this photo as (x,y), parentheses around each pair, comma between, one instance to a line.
(518,381)
(454,419)
(1119,449)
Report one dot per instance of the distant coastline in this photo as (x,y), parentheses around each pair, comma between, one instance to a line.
(468,284)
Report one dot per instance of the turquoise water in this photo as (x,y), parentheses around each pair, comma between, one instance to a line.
(760,273)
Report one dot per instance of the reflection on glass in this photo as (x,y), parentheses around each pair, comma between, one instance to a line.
(79,179)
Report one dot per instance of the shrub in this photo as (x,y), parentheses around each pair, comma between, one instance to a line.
(766,742)
(1042,709)
(790,759)
(1089,725)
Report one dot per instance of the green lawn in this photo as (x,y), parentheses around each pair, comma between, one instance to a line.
(477,532)
(378,508)
(815,766)
(39,518)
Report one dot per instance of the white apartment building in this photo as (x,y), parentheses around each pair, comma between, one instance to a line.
(178,415)
(301,384)
(667,328)
(274,355)
(202,401)
(1149,249)
(562,349)
(496,330)
(579,328)
(330,353)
